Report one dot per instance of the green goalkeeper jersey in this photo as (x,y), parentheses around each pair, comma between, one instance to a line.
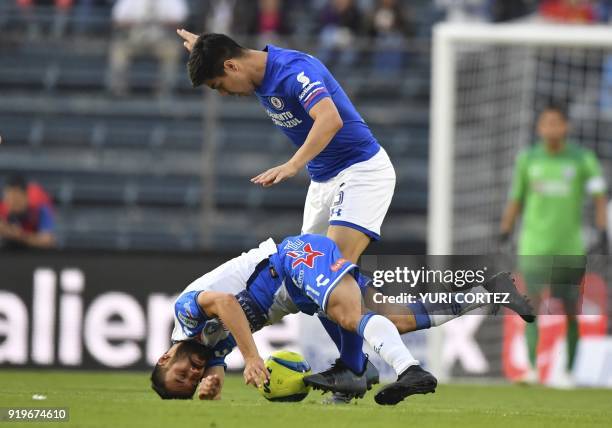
(551,190)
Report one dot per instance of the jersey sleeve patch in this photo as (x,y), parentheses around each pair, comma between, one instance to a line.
(188,313)
(307,85)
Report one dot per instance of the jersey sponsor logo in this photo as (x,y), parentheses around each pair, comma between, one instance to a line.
(338,264)
(187,322)
(284,120)
(299,280)
(277,103)
(309,88)
(551,187)
(305,256)
(303,79)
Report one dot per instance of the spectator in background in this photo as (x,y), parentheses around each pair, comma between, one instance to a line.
(340,22)
(220,16)
(568,11)
(604,11)
(269,22)
(26,215)
(35,18)
(389,28)
(146,27)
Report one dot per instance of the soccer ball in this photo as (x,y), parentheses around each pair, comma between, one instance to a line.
(287,370)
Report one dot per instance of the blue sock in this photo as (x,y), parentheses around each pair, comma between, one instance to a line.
(431,314)
(333,331)
(420,315)
(349,345)
(351,353)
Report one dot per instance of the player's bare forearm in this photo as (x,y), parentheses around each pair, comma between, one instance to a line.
(226,307)
(327,123)
(601,212)
(511,213)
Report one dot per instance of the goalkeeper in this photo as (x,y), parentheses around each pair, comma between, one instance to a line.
(550,181)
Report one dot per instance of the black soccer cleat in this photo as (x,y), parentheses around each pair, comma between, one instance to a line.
(371,374)
(503,282)
(372,378)
(414,380)
(340,379)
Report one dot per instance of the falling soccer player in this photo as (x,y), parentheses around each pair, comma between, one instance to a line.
(304,273)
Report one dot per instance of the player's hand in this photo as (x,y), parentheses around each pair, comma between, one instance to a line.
(189,39)
(276,175)
(210,387)
(255,372)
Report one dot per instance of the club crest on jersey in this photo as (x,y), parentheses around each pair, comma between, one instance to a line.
(305,256)
(277,103)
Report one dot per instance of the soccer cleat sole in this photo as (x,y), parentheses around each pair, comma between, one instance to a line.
(325,388)
(396,392)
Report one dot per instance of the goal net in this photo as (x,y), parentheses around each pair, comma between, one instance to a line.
(489,83)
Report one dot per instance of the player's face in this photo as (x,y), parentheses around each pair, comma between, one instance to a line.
(185,365)
(552,126)
(234,82)
(16,199)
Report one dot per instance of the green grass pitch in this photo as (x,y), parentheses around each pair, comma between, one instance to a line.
(124,400)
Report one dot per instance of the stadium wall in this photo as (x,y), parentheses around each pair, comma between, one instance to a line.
(113,310)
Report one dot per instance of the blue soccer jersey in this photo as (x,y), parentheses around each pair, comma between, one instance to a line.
(293,83)
(196,325)
(312,266)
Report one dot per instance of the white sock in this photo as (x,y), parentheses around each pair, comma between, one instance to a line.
(382,336)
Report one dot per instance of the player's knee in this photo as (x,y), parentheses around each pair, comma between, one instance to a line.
(348,321)
(403,323)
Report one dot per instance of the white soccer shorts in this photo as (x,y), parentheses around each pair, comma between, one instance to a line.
(358,197)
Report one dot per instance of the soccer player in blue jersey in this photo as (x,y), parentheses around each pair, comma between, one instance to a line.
(352,178)
(304,273)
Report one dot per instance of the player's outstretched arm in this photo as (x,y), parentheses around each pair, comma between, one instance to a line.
(212,383)
(327,123)
(226,307)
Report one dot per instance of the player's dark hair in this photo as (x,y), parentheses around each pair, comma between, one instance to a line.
(558,108)
(18,181)
(158,383)
(208,55)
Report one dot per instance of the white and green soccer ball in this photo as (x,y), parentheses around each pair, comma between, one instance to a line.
(287,370)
